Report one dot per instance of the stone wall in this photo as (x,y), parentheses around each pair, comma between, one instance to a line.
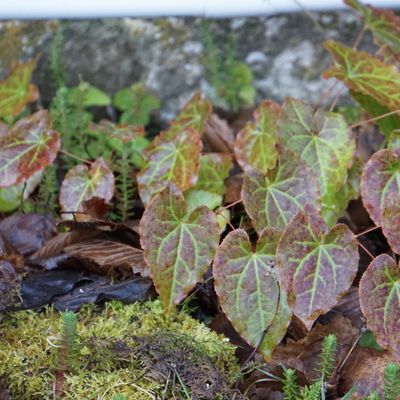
(284,52)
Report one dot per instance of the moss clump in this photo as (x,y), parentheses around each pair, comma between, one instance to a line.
(127,350)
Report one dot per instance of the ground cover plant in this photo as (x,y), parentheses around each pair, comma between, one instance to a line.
(285,233)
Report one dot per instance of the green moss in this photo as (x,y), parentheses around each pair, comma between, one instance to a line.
(120,351)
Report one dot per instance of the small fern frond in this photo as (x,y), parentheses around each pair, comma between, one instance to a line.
(48,191)
(328,357)
(312,392)
(69,346)
(291,388)
(392,382)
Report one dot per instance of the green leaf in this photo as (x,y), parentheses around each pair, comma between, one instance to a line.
(368,340)
(88,96)
(394,140)
(273,199)
(323,140)
(193,115)
(384,24)
(82,183)
(349,191)
(380,180)
(197,198)
(247,286)
(315,265)
(16,92)
(179,246)
(365,74)
(172,157)
(136,103)
(373,108)
(28,147)
(214,169)
(380,301)
(11,197)
(255,145)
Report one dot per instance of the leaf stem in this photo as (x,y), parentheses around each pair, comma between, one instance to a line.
(374,119)
(67,153)
(367,231)
(365,249)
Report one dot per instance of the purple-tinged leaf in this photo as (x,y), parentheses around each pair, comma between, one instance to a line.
(30,146)
(380,301)
(82,183)
(391,221)
(255,145)
(179,246)
(173,157)
(315,265)
(248,289)
(365,74)
(380,180)
(273,199)
(16,91)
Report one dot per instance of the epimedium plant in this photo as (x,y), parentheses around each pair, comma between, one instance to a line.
(299,174)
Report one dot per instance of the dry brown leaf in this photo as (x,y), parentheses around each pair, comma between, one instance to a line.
(110,255)
(304,354)
(364,369)
(218,136)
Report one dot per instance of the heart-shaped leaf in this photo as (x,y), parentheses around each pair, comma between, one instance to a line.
(365,74)
(82,183)
(380,301)
(274,198)
(16,91)
(247,286)
(173,157)
(323,140)
(30,146)
(391,221)
(315,266)
(179,246)
(255,143)
(380,180)
(384,24)
(193,115)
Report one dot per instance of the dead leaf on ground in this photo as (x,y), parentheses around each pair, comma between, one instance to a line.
(27,232)
(218,136)
(304,354)
(364,369)
(109,255)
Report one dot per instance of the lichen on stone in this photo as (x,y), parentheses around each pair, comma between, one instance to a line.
(132,350)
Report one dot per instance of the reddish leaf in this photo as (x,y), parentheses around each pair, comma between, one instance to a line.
(178,246)
(248,289)
(276,197)
(384,24)
(315,266)
(194,115)
(365,74)
(82,183)
(380,301)
(30,146)
(16,92)
(255,143)
(173,157)
(380,180)
(109,254)
(391,221)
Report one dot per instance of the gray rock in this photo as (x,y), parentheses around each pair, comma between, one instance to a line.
(284,52)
